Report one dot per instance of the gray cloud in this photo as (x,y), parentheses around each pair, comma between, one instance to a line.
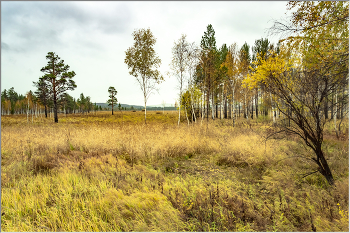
(4,46)
(29,25)
(92,38)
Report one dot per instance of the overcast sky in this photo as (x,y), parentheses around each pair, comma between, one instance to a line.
(92,37)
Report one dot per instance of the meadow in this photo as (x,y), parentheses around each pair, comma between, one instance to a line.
(99,172)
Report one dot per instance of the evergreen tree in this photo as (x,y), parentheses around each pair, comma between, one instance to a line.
(4,95)
(58,79)
(112,99)
(13,97)
(42,93)
(208,63)
(82,103)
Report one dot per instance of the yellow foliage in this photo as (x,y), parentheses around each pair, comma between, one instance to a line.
(268,70)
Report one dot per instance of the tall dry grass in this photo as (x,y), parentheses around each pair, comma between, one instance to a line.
(113,173)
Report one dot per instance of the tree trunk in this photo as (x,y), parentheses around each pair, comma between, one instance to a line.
(55,110)
(342,104)
(252,113)
(222,104)
(202,107)
(229,106)
(326,108)
(225,107)
(233,107)
(239,109)
(256,104)
(336,111)
(28,111)
(178,121)
(332,106)
(273,110)
(192,107)
(188,122)
(207,106)
(212,105)
(145,99)
(324,168)
(245,106)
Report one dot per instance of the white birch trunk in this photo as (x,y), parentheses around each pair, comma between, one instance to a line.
(193,113)
(222,101)
(188,122)
(178,121)
(202,107)
(245,106)
(273,109)
(145,108)
(233,116)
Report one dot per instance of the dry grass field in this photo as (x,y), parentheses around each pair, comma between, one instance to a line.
(100,172)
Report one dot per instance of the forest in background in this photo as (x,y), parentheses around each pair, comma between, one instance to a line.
(259,141)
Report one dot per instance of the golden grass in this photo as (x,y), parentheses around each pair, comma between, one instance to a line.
(113,173)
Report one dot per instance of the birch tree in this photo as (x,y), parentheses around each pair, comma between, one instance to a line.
(179,65)
(192,61)
(142,61)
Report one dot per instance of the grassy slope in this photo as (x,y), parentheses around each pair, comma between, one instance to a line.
(112,173)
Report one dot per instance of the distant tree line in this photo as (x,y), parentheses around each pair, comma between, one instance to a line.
(34,103)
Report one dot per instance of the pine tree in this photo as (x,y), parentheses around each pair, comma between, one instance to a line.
(42,93)
(112,99)
(58,79)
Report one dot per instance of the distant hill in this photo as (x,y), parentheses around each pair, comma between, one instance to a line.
(137,107)
(160,105)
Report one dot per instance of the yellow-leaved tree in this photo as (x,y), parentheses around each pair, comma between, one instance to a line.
(143,63)
(309,68)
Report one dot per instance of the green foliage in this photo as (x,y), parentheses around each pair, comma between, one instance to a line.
(84,103)
(190,100)
(208,41)
(245,57)
(262,47)
(142,59)
(57,78)
(43,92)
(112,101)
